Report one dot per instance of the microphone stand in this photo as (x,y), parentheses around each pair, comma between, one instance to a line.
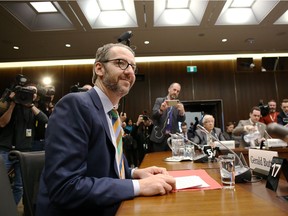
(199,158)
(242,173)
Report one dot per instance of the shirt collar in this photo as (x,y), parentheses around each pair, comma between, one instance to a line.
(107,104)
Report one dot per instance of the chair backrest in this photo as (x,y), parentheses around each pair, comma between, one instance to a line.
(31,165)
(7,203)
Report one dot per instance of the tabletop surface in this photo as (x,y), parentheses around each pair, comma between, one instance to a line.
(246,199)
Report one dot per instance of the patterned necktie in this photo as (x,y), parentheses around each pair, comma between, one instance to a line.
(116,123)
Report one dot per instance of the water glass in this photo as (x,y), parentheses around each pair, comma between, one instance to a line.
(227,171)
(177,146)
(189,151)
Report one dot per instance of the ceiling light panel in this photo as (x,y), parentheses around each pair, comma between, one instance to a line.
(110,5)
(172,4)
(234,11)
(43,7)
(179,12)
(242,3)
(283,19)
(35,21)
(109,13)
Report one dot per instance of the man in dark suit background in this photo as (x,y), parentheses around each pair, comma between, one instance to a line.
(81,174)
(166,118)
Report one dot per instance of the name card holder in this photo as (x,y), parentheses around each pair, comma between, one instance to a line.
(277,165)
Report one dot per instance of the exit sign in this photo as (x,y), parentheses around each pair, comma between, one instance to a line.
(191,69)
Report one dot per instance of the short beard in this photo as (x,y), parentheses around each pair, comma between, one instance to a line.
(112,85)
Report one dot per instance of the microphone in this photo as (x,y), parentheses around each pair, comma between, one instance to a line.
(242,173)
(277,130)
(199,158)
(186,139)
(268,135)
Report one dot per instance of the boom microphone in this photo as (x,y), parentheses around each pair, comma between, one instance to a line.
(242,173)
(278,131)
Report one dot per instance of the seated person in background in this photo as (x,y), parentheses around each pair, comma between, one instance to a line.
(202,138)
(282,117)
(185,132)
(228,135)
(255,130)
(272,114)
(191,129)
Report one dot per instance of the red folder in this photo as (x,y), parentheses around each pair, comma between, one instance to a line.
(202,174)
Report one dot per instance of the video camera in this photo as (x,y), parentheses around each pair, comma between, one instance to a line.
(264,108)
(23,95)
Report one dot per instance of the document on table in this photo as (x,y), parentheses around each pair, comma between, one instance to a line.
(190,182)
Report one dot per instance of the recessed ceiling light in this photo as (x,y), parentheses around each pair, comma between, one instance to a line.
(43,7)
(16,47)
(146,42)
(68,45)
(224,40)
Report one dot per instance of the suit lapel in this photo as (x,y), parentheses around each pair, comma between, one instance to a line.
(102,115)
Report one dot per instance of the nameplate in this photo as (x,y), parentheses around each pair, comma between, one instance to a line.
(261,159)
(228,143)
(276,143)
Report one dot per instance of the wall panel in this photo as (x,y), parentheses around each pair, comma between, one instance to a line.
(239,91)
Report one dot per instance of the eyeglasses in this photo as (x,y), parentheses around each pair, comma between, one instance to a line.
(123,64)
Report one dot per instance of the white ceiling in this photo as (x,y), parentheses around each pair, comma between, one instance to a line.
(43,37)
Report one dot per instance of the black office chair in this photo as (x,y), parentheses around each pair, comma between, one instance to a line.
(7,203)
(31,165)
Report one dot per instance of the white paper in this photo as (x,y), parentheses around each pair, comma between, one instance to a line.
(190,182)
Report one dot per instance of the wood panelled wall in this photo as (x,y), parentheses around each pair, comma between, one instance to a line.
(215,79)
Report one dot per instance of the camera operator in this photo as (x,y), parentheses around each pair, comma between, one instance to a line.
(17,127)
(268,112)
(44,102)
(141,133)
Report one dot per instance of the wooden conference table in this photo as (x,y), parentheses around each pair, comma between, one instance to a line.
(246,199)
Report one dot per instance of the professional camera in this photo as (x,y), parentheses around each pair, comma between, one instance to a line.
(77,88)
(264,108)
(23,95)
(145,117)
(45,93)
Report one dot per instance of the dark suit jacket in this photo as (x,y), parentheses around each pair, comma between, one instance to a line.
(80,175)
(160,121)
(201,137)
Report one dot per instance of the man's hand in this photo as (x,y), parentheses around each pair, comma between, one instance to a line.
(149,171)
(123,117)
(159,184)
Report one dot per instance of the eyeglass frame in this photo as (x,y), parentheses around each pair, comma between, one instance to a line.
(134,67)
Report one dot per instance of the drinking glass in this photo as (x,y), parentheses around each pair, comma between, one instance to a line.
(227,171)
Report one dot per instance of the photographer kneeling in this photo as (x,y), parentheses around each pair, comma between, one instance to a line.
(17,128)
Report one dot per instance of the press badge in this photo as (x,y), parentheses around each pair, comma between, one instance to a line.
(28,132)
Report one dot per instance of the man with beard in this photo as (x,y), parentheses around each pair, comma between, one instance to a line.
(84,172)
(167,112)
(272,114)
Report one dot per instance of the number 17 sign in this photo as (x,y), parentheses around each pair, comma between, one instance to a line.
(277,165)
